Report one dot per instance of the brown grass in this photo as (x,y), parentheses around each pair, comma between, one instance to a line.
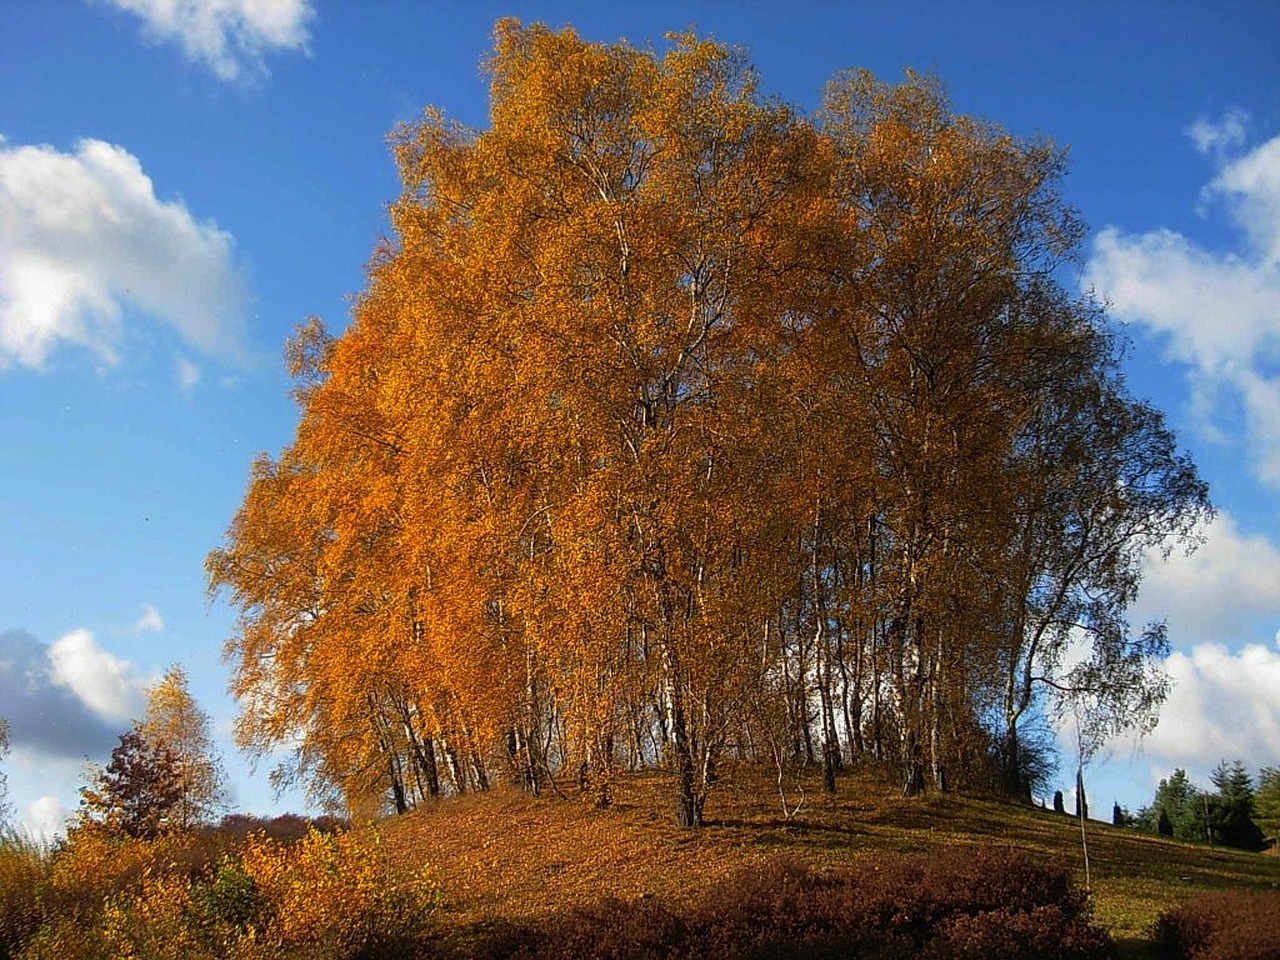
(508,856)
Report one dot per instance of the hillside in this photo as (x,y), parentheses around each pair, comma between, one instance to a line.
(509,856)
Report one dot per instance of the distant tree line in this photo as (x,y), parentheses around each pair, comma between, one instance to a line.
(1239,812)
(674,427)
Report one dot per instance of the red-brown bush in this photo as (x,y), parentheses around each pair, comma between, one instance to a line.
(1225,925)
(609,930)
(953,905)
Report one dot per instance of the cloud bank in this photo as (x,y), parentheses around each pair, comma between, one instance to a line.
(45,818)
(70,699)
(1227,591)
(1222,606)
(1223,707)
(231,37)
(1218,313)
(83,237)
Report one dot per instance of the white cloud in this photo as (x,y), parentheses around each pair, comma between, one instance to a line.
(150,620)
(1250,186)
(231,37)
(1223,707)
(1216,136)
(45,817)
(46,720)
(1218,312)
(1222,604)
(1226,591)
(83,237)
(108,686)
(188,374)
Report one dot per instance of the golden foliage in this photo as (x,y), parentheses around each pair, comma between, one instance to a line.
(323,896)
(175,720)
(24,866)
(669,414)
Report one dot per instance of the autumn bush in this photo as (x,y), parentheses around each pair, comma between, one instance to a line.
(1224,925)
(955,903)
(611,929)
(95,864)
(960,904)
(336,895)
(200,895)
(24,865)
(284,828)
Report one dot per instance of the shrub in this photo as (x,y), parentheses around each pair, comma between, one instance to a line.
(610,930)
(1044,933)
(230,898)
(959,904)
(24,864)
(781,910)
(94,864)
(326,896)
(1225,925)
(151,922)
(337,892)
(63,938)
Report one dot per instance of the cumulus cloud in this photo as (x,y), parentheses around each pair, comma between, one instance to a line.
(83,237)
(231,37)
(70,699)
(149,621)
(105,684)
(1250,186)
(1228,132)
(1222,604)
(1223,706)
(1227,591)
(45,817)
(1217,312)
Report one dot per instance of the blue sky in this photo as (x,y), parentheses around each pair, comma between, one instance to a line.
(181,183)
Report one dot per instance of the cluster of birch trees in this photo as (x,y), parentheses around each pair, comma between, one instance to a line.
(676,426)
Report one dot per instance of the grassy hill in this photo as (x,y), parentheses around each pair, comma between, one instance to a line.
(508,856)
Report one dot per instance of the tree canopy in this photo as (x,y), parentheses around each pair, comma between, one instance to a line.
(1233,814)
(138,793)
(174,719)
(1267,802)
(676,426)
(164,774)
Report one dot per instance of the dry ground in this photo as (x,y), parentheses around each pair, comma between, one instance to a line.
(508,856)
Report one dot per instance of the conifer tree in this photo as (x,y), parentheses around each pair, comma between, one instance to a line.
(1234,807)
(1267,802)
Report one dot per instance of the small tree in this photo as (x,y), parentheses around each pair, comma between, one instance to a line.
(1267,802)
(174,720)
(1179,803)
(1233,809)
(139,792)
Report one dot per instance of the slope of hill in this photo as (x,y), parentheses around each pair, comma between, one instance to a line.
(508,856)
